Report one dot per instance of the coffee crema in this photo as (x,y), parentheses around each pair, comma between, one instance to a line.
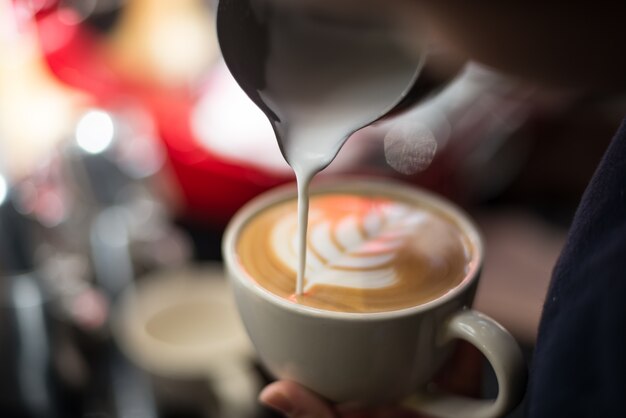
(365,253)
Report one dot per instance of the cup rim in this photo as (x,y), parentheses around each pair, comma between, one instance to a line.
(385,187)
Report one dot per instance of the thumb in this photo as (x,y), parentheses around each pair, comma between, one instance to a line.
(294,401)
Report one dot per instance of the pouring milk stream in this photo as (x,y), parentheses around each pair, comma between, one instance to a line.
(317,78)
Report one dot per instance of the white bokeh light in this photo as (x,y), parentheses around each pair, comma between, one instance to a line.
(95,131)
(4,189)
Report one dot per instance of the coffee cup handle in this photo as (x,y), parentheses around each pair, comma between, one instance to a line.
(505,356)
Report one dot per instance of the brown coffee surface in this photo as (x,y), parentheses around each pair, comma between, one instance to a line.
(365,253)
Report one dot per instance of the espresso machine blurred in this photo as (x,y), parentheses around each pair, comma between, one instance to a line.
(29,385)
(74,233)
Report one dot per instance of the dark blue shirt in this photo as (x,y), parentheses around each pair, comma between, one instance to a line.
(579,365)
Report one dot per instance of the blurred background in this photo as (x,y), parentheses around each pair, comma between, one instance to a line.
(125,148)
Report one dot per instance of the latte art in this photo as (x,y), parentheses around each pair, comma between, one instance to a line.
(355,250)
(364,253)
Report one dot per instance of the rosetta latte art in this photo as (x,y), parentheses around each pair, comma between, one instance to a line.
(364,253)
(355,251)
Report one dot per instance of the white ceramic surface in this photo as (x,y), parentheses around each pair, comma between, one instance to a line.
(199,339)
(371,358)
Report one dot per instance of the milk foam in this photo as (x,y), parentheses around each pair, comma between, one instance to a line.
(366,252)
(355,251)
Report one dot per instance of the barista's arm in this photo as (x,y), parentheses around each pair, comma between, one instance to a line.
(575,45)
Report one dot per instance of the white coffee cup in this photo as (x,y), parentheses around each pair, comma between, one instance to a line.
(373,358)
(181,326)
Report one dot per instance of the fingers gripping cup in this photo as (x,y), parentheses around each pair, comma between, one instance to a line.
(390,279)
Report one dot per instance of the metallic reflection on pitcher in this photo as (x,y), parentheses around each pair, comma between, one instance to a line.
(317,78)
